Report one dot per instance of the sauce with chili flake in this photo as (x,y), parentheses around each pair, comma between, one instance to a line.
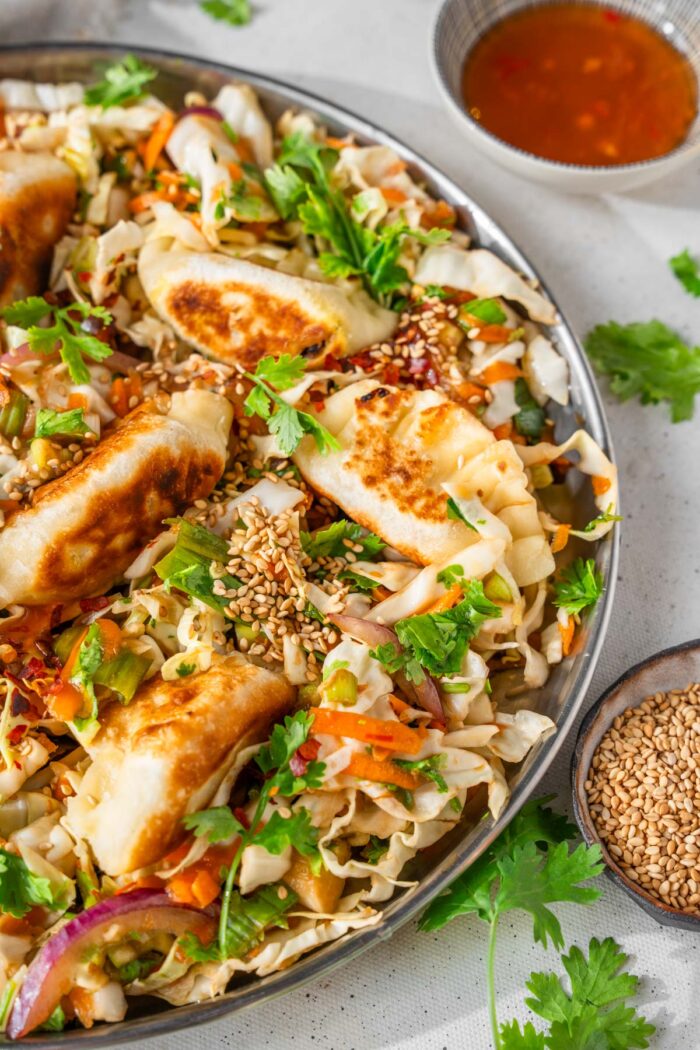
(581,84)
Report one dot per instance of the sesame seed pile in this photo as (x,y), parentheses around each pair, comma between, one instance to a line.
(267,556)
(644,795)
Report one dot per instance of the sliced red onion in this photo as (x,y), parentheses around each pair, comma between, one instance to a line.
(18,356)
(201,111)
(426,693)
(51,974)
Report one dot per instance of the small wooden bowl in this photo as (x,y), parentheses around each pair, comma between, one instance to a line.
(673,668)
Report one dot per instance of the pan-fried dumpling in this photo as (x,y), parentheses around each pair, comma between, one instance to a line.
(37,200)
(239,312)
(165,754)
(85,527)
(403,453)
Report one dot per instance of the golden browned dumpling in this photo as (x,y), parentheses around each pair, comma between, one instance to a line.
(239,312)
(165,754)
(37,200)
(85,527)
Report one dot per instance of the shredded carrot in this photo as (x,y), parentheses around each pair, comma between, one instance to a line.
(380,754)
(158,139)
(335,143)
(245,150)
(397,167)
(193,886)
(146,200)
(499,371)
(367,768)
(567,635)
(394,736)
(392,195)
(446,600)
(443,214)
(494,333)
(470,391)
(235,170)
(503,430)
(398,705)
(122,391)
(561,538)
(77,400)
(600,485)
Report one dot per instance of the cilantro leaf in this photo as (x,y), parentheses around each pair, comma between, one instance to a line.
(687,271)
(285,740)
(248,919)
(427,767)
(184,669)
(67,334)
(489,311)
(357,582)
(296,830)
(217,823)
(515,1038)
(69,424)
(233,12)
(122,82)
(330,542)
(286,188)
(593,1015)
(56,1022)
(531,418)
(439,640)
(578,586)
(281,372)
(395,661)
(20,889)
(601,519)
(375,849)
(244,205)
(649,361)
(288,424)
(450,575)
(530,881)
(472,891)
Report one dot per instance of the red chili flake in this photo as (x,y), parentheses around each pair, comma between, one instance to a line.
(34,669)
(391,374)
(242,817)
(332,364)
(94,604)
(612,16)
(310,749)
(364,361)
(317,399)
(84,276)
(16,734)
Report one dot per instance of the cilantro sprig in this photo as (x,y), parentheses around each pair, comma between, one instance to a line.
(687,271)
(301,188)
(593,1014)
(578,586)
(648,361)
(287,423)
(20,888)
(122,82)
(438,641)
(527,868)
(67,334)
(275,835)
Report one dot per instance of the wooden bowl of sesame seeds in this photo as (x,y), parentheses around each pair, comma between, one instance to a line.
(636,783)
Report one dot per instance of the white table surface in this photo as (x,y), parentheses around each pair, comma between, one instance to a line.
(603,259)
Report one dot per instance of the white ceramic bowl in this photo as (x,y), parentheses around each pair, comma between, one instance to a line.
(460,23)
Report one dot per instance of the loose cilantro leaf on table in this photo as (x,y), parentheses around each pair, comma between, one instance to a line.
(288,424)
(649,361)
(687,271)
(66,334)
(578,586)
(528,868)
(301,188)
(439,641)
(233,12)
(67,424)
(20,889)
(330,542)
(122,82)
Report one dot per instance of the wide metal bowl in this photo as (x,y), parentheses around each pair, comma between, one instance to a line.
(565,691)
